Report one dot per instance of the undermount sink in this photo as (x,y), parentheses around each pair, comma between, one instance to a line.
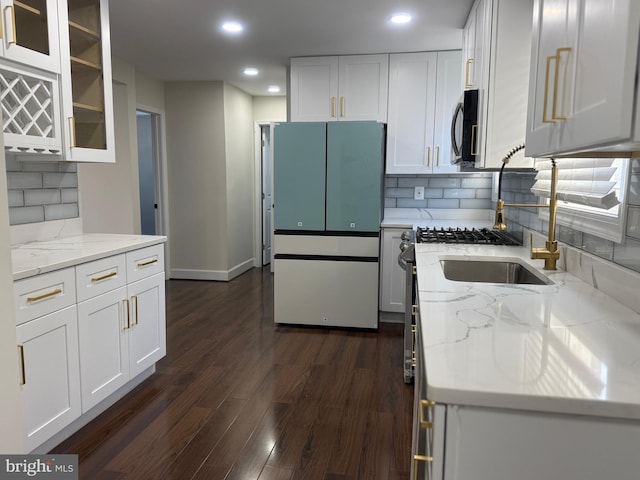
(491,270)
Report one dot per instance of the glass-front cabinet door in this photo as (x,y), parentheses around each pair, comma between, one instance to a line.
(30,33)
(87,96)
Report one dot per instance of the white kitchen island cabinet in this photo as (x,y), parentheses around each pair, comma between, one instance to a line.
(524,381)
(423,91)
(344,88)
(90,328)
(583,78)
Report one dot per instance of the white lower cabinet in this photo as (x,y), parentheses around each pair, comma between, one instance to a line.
(74,356)
(50,380)
(147,331)
(122,333)
(392,276)
(104,354)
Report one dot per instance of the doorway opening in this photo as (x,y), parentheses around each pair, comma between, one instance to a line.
(267,200)
(148,131)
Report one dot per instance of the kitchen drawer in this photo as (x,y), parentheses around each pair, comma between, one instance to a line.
(145,262)
(100,276)
(44,294)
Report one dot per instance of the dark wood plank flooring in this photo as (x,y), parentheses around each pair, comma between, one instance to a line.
(238,397)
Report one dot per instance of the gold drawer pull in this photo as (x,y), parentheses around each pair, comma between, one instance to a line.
(467,83)
(424,423)
(104,277)
(127,313)
(134,299)
(148,262)
(23,376)
(57,291)
(419,458)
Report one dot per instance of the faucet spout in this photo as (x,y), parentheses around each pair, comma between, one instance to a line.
(550,252)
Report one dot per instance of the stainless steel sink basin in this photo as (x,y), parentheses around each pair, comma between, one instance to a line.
(491,270)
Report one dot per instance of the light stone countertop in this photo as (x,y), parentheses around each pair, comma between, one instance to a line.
(566,348)
(33,258)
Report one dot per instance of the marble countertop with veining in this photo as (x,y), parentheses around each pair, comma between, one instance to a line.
(33,258)
(565,347)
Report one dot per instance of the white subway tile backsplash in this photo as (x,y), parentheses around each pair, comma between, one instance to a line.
(634,189)
(633,222)
(598,246)
(477,182)
(443,203)
(474,203)
(410,182)
(444,182)
(16,198)
(411,203)
(399,192)
(41,191)
(22,180)
(69,195)
(433,193)
(60,211)
(20,215)
(459,193)
(628,254)
(41,197)
(391,182)
(60,180)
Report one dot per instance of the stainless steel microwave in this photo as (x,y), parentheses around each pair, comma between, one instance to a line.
(464,129)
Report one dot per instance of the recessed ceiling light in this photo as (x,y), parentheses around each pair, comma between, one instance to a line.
(232,27)
(251,71)
(400,18)
(273,89)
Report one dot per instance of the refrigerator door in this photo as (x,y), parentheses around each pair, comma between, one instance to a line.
(299,165)
(354,176)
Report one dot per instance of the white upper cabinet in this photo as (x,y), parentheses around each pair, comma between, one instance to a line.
(30,33)
(423,91)
(582,88)
(498,35)
(55,74)
(86,81)
(325,89)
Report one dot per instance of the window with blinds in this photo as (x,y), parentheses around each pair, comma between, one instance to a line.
(591,194)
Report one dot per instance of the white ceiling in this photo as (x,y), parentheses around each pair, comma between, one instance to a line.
(181,40)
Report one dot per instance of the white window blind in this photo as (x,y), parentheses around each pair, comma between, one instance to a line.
(585,181)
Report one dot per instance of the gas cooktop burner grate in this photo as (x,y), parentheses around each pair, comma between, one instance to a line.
(481,236)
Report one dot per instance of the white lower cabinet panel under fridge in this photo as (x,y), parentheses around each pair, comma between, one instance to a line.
(326,292)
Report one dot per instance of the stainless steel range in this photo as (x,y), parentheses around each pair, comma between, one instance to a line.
(407,260)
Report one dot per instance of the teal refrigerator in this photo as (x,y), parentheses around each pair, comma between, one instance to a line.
(328,180)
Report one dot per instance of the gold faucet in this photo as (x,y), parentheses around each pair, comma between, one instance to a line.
(550,252)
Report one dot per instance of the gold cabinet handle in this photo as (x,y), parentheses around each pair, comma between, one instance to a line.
(556,82)
(148,262)
(428,156)
(333,107)
(545,99)
(104,277)
(474,129)
(55,292)
(419,458)
(23,375)
(13,24)
(437,156)
(342,106)
(467,69)
(424,423)
(72,131)
(134,299)
(127,326)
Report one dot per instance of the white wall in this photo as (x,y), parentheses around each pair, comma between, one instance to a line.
(238,118)
(269,109)
(10,405)
(109,193)
(197,179)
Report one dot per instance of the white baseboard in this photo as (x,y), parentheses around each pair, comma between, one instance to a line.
(214,275)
